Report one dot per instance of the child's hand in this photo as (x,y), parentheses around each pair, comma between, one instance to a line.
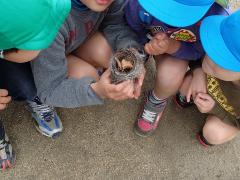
(161,44)
(138,84)
(204,102)
(105,89)
(4,99)
(198,84)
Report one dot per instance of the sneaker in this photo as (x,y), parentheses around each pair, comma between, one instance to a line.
(149,118)
(46,119)
(202,140)
(7,157)
(181,101)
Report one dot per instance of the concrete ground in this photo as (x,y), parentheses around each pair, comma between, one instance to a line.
(98,143)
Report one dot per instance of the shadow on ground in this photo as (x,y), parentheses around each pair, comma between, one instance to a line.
(98,143)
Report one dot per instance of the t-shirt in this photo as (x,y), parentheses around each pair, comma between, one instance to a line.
(226,96)
(147,26)
(50,72)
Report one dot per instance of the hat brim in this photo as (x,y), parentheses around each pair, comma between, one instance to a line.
(48,33)
(214,44)
(174,13)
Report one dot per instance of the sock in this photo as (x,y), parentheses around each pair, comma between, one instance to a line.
(155,100)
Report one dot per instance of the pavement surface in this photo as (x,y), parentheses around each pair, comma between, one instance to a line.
(98,143)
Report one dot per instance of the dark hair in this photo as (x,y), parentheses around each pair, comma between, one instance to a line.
(10,50)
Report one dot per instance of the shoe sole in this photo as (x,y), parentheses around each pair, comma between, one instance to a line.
(13,161)
(201,142)
(140,133)
(53,136)
(174,99)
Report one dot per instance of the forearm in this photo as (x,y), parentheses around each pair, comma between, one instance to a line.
(71,93)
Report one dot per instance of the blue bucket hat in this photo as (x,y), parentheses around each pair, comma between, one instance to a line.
(178,13)
(220,39)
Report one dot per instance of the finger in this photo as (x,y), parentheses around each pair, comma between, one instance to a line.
(156,45)
(3,92)
(194,94)
(160,36)
(3,106)
(120,87)
(9,164)
(204,96)
(154,50)
(189,93)
(140,80)
(137,92)
(162,44)
(119,97)
(3,166)
(200,102)
(106,76)
(129,90)
(107,73)
(146,49)
(138,86)
(5,100)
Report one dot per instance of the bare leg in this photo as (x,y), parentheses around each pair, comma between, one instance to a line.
(96,51)
(216,131)
(170,75)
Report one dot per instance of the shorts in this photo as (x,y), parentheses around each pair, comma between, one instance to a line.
(225,116)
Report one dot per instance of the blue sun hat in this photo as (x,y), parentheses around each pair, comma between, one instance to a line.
(220,36)
(178,13)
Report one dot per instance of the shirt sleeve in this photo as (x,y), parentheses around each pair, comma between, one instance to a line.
(194,51)
(115,28)
(190,51)
(132,17)
(53,85)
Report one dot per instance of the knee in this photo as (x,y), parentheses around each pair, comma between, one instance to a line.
(217,132)
(96,50)
(184,87)
(171,71)
(169,78)
(212,133)
(78,68)
(105,51)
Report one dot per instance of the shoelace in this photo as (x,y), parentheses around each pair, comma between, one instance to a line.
(149,115)
(46,112)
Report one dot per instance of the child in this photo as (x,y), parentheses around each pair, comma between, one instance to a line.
(21,40)
(169,30)
(66,75)
(222,82)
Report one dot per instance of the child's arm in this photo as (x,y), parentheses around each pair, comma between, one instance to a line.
(53,85)
(198,84)
(161,44)
(132,10)
(116,30)
(4,99)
